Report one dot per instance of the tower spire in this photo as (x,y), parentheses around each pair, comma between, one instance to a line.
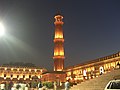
(58,43)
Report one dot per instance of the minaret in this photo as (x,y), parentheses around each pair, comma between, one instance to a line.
(58,44)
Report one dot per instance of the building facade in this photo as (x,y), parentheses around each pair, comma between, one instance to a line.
(15,73)
(93,68)
(55,76)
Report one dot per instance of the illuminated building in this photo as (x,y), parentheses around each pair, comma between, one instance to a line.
(58,74)
(16,73)
(58,44)
(93,68)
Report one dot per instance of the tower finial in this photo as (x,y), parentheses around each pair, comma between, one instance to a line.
(58,13)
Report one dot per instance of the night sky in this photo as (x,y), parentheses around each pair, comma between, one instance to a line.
(91,30)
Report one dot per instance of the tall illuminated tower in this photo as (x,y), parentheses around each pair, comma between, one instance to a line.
(58,44)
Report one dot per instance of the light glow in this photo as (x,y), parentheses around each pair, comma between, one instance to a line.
(11,69)
(5,68)
(58,34)
(59,69)
(61,53)
(2,29)
(24,69)
(57,53)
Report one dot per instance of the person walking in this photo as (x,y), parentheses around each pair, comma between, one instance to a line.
(13,88)
(67,85)
(40,85)
(26,87)
(55,85)
(2,86)
(10,85)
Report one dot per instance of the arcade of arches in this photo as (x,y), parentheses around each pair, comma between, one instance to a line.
(93,68)
(14,73)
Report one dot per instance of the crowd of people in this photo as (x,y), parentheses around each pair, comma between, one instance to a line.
(9,85)
(28,86)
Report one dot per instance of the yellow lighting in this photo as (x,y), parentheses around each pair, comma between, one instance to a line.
(61,53)
(24,69)
(88,69)
(11,69)
(55,53)
(5,68)
(41,70)
(58,34)
(59,69)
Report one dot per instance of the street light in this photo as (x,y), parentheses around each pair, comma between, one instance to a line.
(2,29)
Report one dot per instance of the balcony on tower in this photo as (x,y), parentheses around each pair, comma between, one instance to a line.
(58,37)
(58,19)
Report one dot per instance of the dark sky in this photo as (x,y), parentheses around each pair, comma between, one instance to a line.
(91,29)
